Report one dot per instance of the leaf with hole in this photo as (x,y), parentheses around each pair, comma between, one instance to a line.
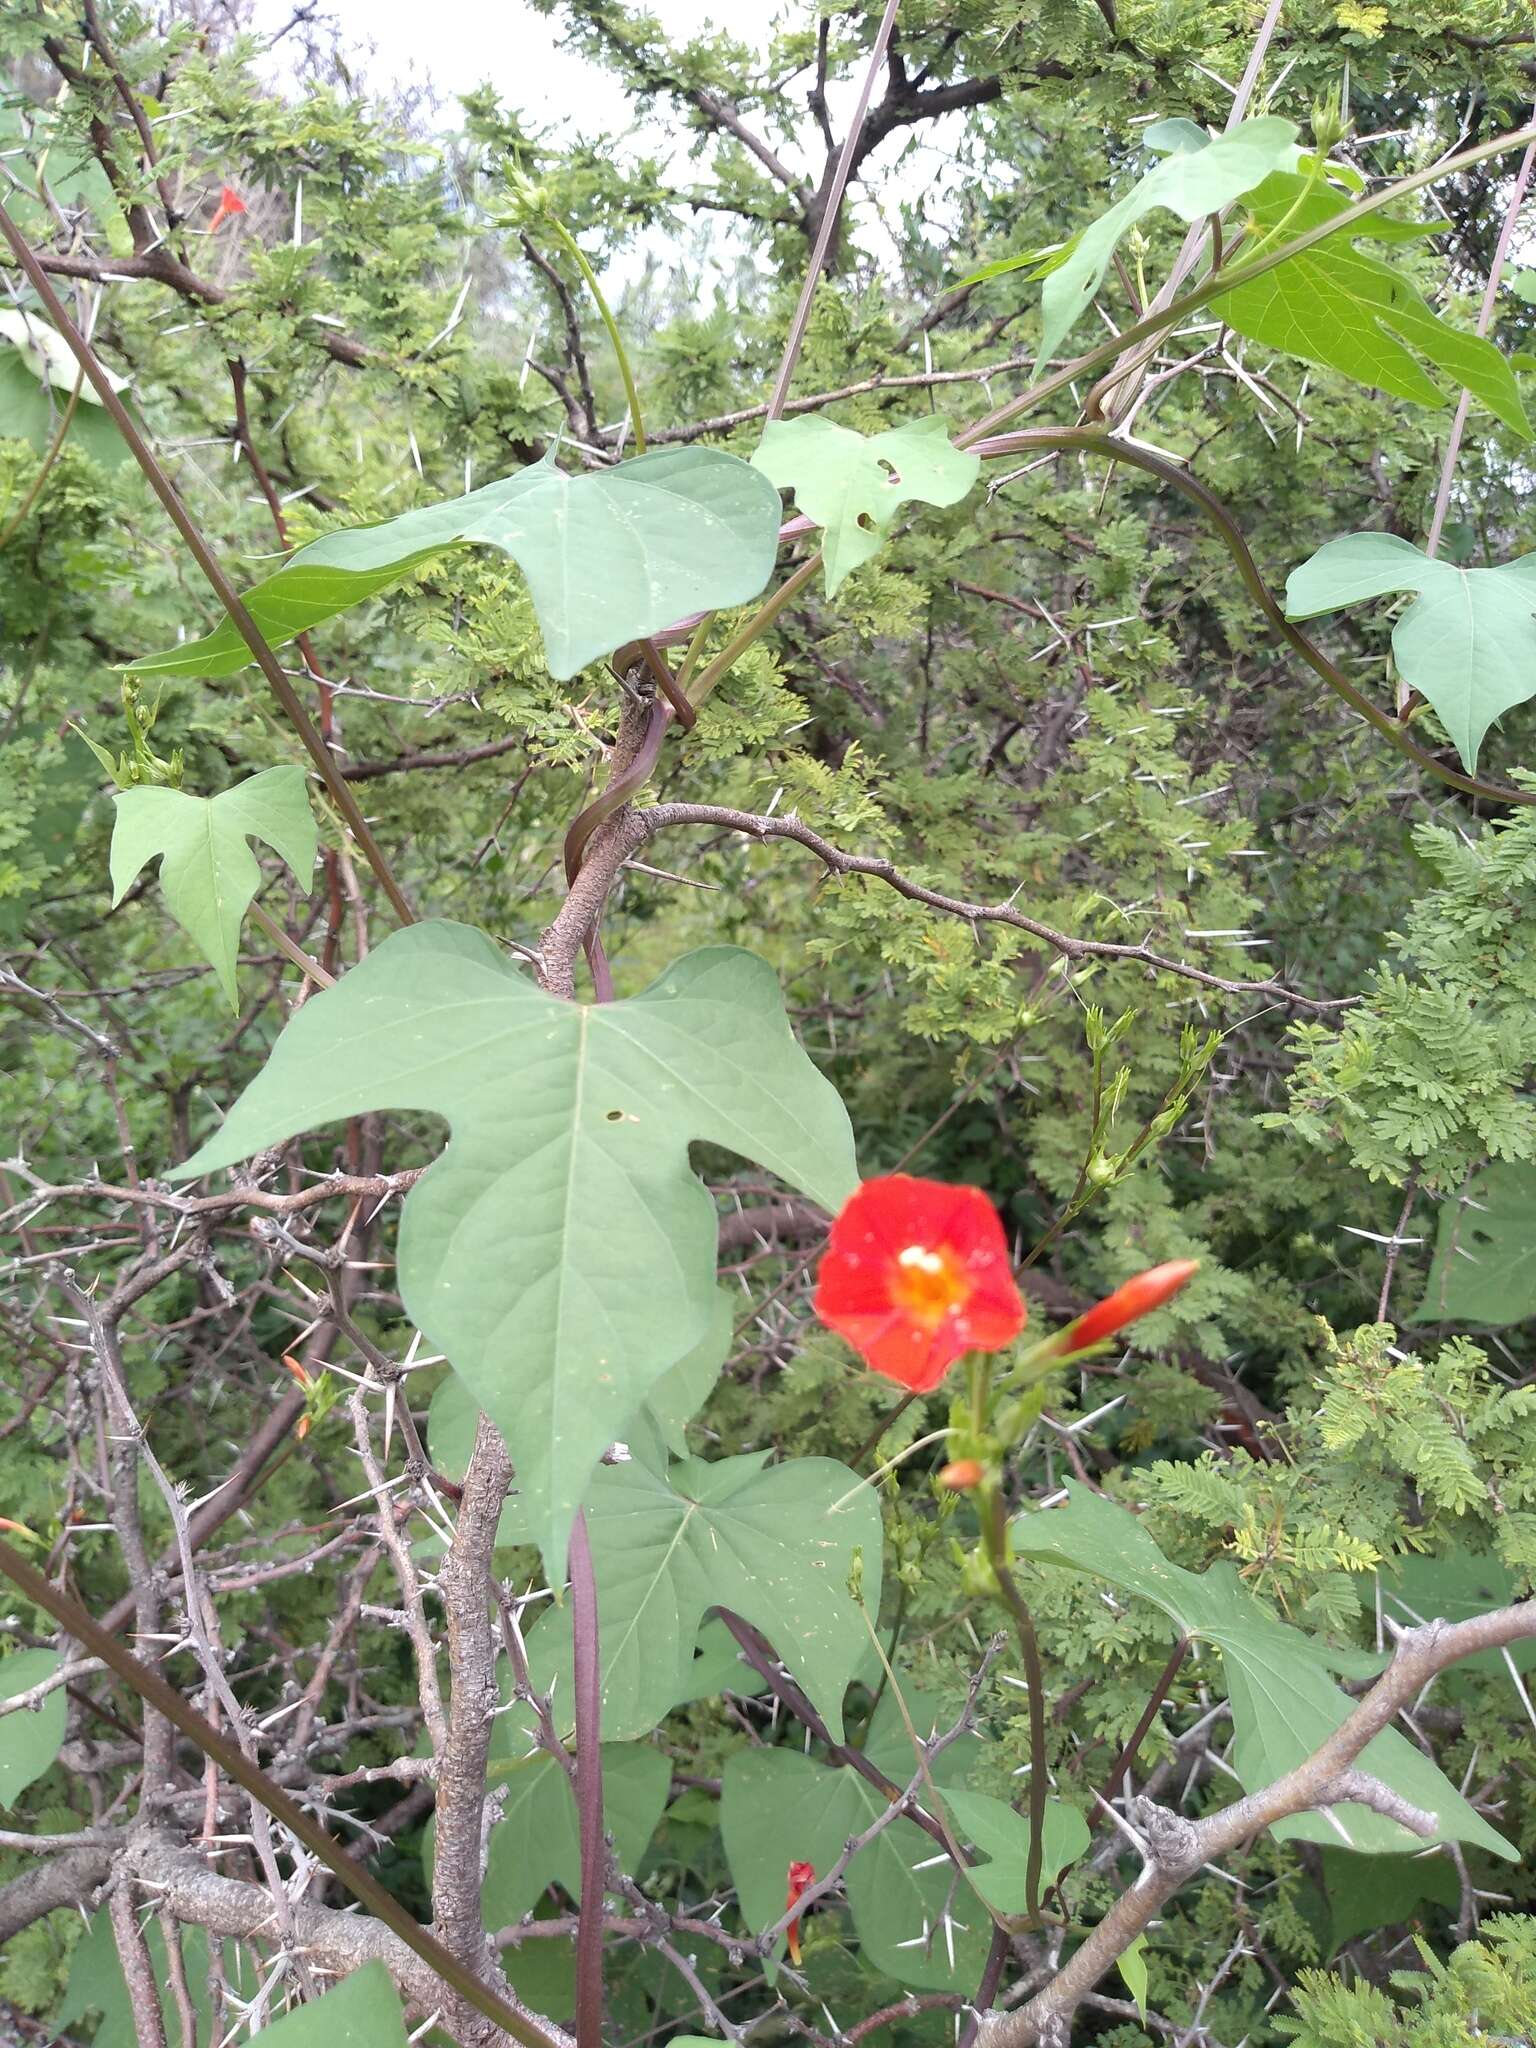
(1467,643)
(853,485)
(208,873)
(561,1252)
(1338,305)
(1284,1702)
(1484,1267)
(30,1737)
(775,1546)
(610,556)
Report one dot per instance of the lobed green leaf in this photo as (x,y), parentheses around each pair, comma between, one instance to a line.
(610,556)
(561,1252)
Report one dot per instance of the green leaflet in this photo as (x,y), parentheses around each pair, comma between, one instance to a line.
(1368,1892)
(1453,1587)
(535,1843)
(29,1741)
(1337,305)
(208,873)
(1468,643)
(1484,1268)
(1284,1703)
(774,1546)
(96,1984)
(999,1834)
(561,1251)
(610,556)
(1191,183)
(778,1807)
(853,485)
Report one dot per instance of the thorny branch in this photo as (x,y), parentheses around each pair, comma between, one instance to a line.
(459,1620)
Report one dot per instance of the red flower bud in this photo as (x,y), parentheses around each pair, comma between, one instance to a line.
(1138,1297)
(230,203)
(963,1474)
(801,1877)
(916,1274)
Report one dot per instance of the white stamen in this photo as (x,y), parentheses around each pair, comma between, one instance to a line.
(919,1255)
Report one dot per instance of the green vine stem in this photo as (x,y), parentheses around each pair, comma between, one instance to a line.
(574,250)
(1217,282)
(754,628)
(994,1532)
(1095,441)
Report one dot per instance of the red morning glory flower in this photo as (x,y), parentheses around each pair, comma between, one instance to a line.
(916,1273)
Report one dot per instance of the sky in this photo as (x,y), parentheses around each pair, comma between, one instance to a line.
(458,44)
(454,45)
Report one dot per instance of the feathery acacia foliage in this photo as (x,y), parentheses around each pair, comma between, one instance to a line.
(801,735)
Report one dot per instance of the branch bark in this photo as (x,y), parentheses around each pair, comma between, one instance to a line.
(1178,1847)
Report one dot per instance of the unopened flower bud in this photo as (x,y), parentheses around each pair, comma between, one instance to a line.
(963,1474)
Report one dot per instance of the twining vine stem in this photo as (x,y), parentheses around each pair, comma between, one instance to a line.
(1095,441)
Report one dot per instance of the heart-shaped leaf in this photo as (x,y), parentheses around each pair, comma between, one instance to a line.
(853,485)
(28,413)
(561,1252)
(778,1807)
(1001,1836)
(1468,643)
(96,1984)
(207,872)
(362,2011)
(535,1843)
(775,1547)
(610,556)
(1284,1703)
